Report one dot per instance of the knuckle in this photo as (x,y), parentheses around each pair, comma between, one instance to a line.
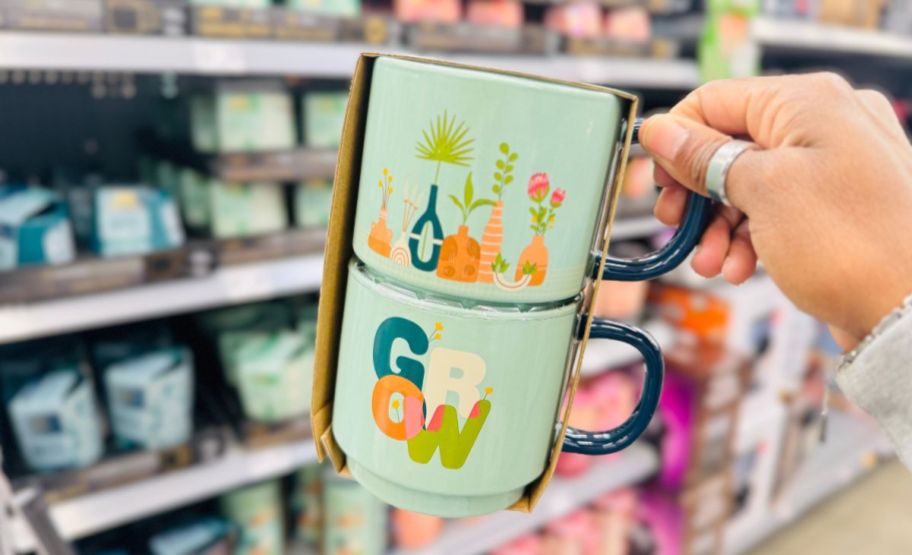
(697,156)
(831,81)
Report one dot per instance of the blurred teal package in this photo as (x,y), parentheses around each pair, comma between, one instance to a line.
(208,535)
(344,8)
(150,398)
(125,341)
(323,113)
(244,209)
(355,520)
(256,511)
(312,203)
(127,219)
(242,116)
(233,3)
(274,374)
(34,228)
(306,505)
(55,421)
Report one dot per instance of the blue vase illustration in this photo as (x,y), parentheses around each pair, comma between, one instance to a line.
(427,236)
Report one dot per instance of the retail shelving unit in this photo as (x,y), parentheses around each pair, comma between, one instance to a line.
(562,497)
(95,512)
(203,56)
(810,36)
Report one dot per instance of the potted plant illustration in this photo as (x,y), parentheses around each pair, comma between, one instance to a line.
(460,254)
(536,253)
(492,237)
(444,142)
(400,253)
(381,236)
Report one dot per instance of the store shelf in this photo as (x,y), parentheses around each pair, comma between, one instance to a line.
(107,509)
(136,54)
(225,286)
(636,228)
(561,497)
(852,449)
(812,36)
(604,355)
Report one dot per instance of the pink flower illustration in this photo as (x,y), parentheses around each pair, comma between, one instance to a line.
(557,197)
(539,187)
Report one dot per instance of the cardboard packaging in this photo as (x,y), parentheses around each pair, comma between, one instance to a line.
(52,15)
(55,421)
(150,398)
(699,406)
(241,117)
(34,229)
(145,17)
(338,253)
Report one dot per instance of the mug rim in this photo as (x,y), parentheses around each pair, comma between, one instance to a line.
(451,306)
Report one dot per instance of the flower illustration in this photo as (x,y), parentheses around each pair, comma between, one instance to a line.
(557,197)
(488,390)
(435,334)
(396,403)
(539,185)
(438,326)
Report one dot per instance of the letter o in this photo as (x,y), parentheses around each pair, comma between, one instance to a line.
(380,404)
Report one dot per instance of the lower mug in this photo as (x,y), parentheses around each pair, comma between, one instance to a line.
(451,411)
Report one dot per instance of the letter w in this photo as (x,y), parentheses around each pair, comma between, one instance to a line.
(443,432)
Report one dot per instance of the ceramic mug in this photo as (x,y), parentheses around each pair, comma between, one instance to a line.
(451,411)
(490,187)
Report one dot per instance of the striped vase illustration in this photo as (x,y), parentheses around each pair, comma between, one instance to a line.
(491,241)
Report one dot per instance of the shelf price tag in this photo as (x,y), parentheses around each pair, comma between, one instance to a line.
(218,57)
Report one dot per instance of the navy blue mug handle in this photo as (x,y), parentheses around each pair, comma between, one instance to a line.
(610,441)
(669,257)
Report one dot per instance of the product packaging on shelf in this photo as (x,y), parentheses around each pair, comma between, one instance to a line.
(203,536)
(414,530)
(312,201)
(273,374)
(354,520)
(145,17)
(242,116)
(855,13)
(343,8)
(578,19)
(499,13)
(323,113)
(150,398)
(256,511)
(52,15)
(307,506)
(244,209)
(338,254)
(127,341)
(251,19)
(34,228)
(699,407)
(55,419)
(439,11)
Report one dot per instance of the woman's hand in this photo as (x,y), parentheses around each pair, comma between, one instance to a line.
(825,202)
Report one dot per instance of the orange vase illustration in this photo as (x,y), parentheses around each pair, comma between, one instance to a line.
(380,239)
(459,257)
(492,237)
(535,255)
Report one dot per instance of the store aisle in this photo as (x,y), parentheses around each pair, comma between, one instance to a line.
(870,517)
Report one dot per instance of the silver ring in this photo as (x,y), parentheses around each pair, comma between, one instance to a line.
(719,164)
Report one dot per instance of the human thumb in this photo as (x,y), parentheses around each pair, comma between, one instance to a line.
(682,147)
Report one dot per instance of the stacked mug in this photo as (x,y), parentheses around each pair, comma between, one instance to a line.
(482,199)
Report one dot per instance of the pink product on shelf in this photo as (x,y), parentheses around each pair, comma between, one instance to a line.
(676,409)
(414,530)
(621,300)
(439,11)
(576,19)
(630,24)
(574,534)
(615,514)
(615,395)
(584,415)
(501,13)
(638,180)
(523,545)
(664,520)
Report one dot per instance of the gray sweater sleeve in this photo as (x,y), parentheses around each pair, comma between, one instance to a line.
(877,376)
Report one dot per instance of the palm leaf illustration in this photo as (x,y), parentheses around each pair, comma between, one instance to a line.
(445,142)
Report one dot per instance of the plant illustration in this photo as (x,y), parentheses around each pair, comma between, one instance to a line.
(543,216)
(386,188)
(381,236)
(436,334)
(445,142)
(400,252)
(500,266)
(504,174)
(469,203)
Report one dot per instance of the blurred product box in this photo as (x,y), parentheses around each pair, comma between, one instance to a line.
(370,29)
(322,115)
(256,512)
(898,17)
(55,419)
(312,200)
(431,11)
(274,372)
(577,19)
(127,219)
(354,520)
(202,536)
(126,341)
(630,24)
(242,116)
(306,506)
(856,13)
(52,15)
(244,209)
(34,228)
(464,37)
(150,398)
(146,17)
(605,46)
(497,13)
(305,26)
(699,406)
(231,19)
(341,8)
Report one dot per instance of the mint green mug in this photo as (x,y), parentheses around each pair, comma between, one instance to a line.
(490,187)
(451,411)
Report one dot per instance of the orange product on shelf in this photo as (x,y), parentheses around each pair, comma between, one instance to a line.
(501,13)
(414,530)
(575,19)
(583,415)
(638,180)
(437,11)
(621,300)
(697,312)
(629,24)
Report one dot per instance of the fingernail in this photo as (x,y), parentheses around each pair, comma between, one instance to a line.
(665,137)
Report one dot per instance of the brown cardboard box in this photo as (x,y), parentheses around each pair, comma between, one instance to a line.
(857,13)
(339,252)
